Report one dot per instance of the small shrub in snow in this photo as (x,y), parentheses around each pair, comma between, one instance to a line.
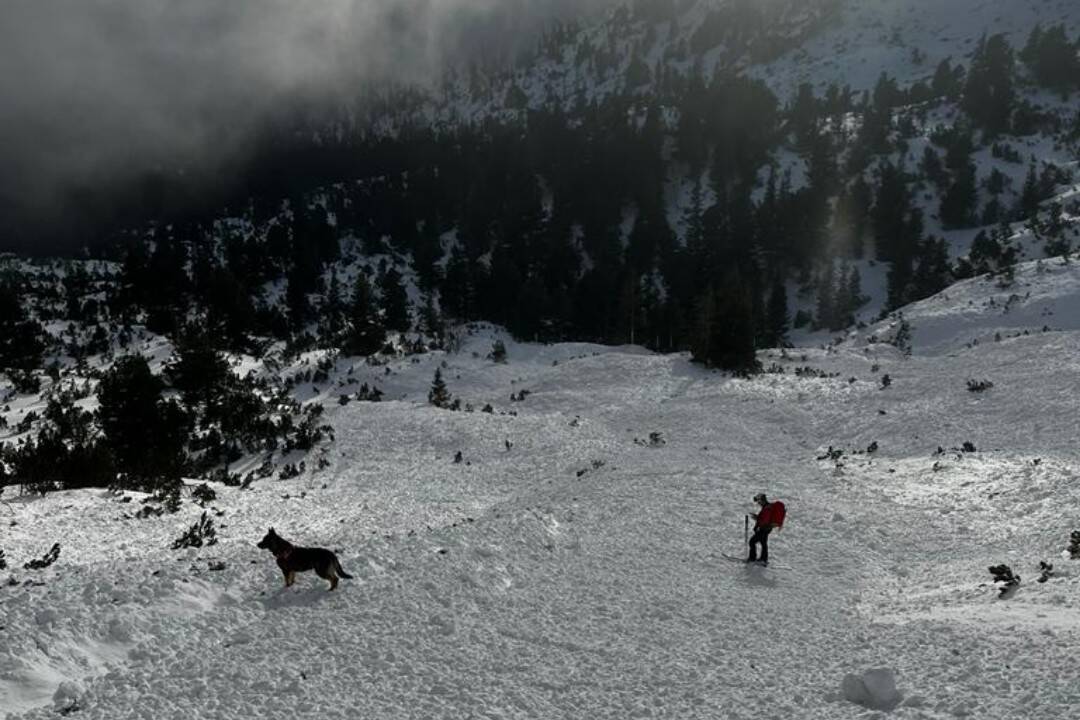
(223,476)
(872,448)
(1046,571)
(832,453)
(45,560)
(27,423)
(25,382)
(203,494)
(498,352)
(977,386)
(968,447)
(458,458)
(1074,545)
(488,409)
(169,498)
(3,561)
(202,533)
(149,511)
(309,432)
(810,372)
(1003,574)
(886,381)
(369,394)
(290,471)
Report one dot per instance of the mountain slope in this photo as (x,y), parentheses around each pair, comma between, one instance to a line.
(577,572)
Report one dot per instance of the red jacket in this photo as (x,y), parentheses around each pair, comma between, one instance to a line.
(771,514)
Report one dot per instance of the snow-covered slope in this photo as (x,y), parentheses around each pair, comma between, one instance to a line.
(906,39)
(1039,298)
(570,567)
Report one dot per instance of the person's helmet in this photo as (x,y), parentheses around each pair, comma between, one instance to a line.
(760,497)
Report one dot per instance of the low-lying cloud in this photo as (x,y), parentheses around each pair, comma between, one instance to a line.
(92,89)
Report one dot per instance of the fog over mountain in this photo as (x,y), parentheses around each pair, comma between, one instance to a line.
(103,89)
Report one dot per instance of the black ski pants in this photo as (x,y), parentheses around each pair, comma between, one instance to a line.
(760,536)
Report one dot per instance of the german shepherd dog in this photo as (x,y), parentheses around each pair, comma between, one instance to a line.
(292,559)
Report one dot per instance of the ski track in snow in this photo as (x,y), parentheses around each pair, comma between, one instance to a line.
(512,587)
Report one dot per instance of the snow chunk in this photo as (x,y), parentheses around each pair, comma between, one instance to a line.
(874,689)
(67,696)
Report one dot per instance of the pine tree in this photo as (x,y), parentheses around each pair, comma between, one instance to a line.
(933,272)
(439,395)
(777,313)
(989,95)
(21,341)
(1030,195)
(958,205)
(1052,58)
(854,290)
(333,312)
(825,311)
(723,335)
(459,289)
(198,371)
(947,80)
(145,433)
(431,321)
(366,334)
(395,301)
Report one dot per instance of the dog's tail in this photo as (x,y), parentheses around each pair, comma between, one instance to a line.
(340,570)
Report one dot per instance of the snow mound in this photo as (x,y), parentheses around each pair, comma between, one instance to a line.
(874,689)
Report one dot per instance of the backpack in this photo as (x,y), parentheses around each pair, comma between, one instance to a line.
(777,513)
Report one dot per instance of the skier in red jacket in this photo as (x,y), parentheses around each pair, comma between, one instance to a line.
(771,516)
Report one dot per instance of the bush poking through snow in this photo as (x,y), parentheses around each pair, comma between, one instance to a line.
(3,561)
(832,453)
(1074,545)
(498,352)
(1046,571)
(203,494)
(977,386)
(290,471)
(656,439)
(1009,582)
(369,394)
(45,560)
(202,533)
(886,381)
